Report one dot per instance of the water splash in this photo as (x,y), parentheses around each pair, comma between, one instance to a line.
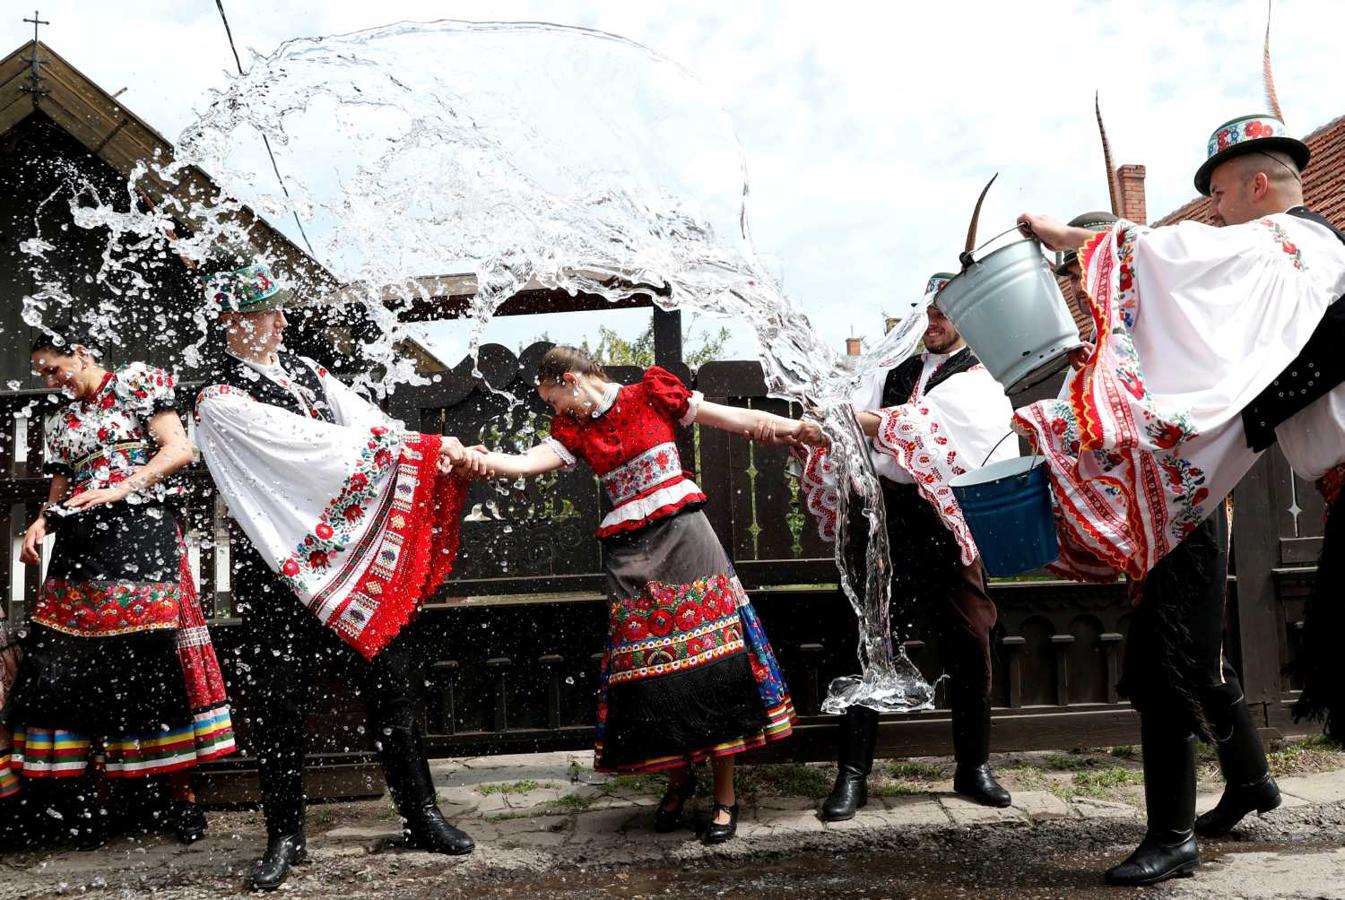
(520,155)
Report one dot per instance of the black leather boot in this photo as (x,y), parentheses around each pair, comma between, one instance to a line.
(854,762)
(408,774)
(1248,786)
(281,770)
(282,851)
(1169,846)
(971,747)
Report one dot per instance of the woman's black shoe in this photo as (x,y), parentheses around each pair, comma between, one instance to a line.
(718,834)
(665,819)
(188,822)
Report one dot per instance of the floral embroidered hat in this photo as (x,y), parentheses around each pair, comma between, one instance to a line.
(937,281)
(1249,134)
(249,289)
(1093,221)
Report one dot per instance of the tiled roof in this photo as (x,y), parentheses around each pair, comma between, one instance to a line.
(1323,182)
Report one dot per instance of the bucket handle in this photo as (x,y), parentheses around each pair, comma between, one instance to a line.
(966,258)
(996,447)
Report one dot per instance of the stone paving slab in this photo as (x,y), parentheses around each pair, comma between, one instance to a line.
(1042,805)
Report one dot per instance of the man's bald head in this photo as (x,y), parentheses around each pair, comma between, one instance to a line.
(1254,184)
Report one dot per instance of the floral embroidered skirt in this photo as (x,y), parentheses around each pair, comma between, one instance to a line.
(118,670)
(688,673)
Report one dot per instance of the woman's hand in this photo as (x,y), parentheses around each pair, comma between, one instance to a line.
(100,496)
(32,542)
(811,434)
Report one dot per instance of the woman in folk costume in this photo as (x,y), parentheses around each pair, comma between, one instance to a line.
(931,418)
(688,674)
(9,670)
(1147,438)
(349,523)
(119,676)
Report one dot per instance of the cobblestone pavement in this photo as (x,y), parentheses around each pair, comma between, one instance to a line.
(547,826)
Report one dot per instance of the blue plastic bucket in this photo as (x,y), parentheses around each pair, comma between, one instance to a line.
(1007,506)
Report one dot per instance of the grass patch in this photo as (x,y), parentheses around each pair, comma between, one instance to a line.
(897,789)
(508,787)
(1071,762)
(570,803)
(1103,784)
(917,771)
(1125,751)
(1300,757)
(636,784)
(785,780)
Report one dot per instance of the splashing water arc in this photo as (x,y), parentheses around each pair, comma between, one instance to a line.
(526,154)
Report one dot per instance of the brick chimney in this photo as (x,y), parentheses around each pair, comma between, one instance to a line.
(854,346)
(1133,207)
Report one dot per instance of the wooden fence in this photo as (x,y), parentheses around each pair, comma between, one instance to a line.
(513,641)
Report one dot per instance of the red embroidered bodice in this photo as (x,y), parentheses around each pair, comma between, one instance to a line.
(632,449)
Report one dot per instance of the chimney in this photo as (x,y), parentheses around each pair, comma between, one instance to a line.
(854,346)
(1133,207)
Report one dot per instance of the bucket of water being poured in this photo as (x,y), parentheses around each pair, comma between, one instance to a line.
(1009,308)
(1007,506)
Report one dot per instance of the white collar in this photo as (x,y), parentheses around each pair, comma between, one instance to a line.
(608,399)
(266,368)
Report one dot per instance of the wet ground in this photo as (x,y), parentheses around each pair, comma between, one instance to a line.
(546,829)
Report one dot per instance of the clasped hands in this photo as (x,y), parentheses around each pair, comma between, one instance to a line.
(468,462)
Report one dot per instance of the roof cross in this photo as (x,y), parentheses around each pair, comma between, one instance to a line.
(35,62)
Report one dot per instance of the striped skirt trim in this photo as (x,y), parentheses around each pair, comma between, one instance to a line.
(56,753)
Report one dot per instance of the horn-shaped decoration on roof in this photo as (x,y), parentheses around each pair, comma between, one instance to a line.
(1271,98)
(1113,186)
(965,258)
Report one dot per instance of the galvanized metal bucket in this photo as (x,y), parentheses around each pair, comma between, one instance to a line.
(1009,308)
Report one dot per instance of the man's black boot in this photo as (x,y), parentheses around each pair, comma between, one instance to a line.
(854,762)
(1248,786)
(408,774)
(282,851)
(1169,846)
(971,747)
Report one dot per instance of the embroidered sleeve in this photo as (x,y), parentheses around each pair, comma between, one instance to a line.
(145,390)
(669,397)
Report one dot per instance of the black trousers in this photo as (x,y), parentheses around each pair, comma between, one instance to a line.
(1320,663)
(1175,668)
(932,587)
(283,645)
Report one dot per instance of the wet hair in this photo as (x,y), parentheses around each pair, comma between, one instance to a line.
(561,359)
(63,339)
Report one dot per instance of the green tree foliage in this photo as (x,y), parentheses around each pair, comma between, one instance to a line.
(697,349)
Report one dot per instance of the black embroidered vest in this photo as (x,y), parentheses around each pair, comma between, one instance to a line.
(1315,372)
(242,376)
(902,381)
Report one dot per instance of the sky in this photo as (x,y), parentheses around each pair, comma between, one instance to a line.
(868,128)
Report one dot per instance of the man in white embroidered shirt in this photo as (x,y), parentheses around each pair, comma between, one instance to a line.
(345,523)
(933,417)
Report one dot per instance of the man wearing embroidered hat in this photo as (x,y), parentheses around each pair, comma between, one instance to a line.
(942,400)
(1146,441)
(348,524)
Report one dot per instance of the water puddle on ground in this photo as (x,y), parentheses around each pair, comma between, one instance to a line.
(899,873)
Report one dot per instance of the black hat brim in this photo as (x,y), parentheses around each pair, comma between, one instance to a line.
(1297,150)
